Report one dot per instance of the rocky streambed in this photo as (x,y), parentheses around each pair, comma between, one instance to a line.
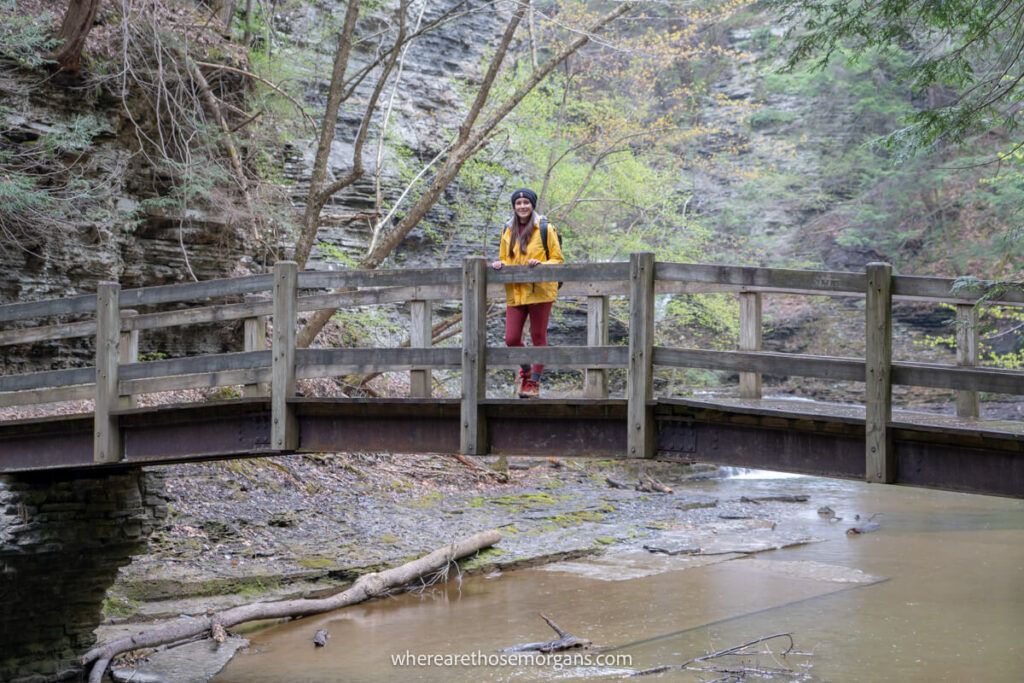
(306,525)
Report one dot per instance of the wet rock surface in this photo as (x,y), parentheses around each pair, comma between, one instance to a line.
(302,526)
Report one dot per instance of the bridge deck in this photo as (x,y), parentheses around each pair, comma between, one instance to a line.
(795,436)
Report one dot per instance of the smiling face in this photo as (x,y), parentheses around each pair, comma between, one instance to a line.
(523,208)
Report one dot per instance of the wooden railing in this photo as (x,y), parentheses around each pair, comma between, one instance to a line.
(118,378)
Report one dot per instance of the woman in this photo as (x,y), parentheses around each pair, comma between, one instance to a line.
(522,245)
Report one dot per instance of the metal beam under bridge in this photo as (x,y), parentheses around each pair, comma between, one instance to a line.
(825,442)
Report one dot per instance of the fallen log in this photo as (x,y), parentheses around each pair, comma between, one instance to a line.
(781,498)
(365,587)
(564,641)
(649,484)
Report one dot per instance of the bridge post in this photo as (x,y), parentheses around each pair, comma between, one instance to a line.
(128,353)
(595,381)
(967,357)
(880,465)
(473,428)
(106,432)
(420,336)
(254,333)
(750,340)
(284,430)
(639,381)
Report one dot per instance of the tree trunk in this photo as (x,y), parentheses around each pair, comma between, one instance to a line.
(365,587)
(470,140)
(73,31)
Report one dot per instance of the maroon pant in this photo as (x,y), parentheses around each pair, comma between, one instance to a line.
(515,320)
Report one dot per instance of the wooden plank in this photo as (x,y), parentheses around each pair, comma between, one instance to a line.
(255,339)
(639,381)
(30,397)
(750,340)
(85,303)
(128,353)
(205,380)
(344,279)
(190,365)
(967,357)
(581,357)
(765,362)
(47,378)
(472,424)
(678,287)
(335,362)
(106,433)
(571,289)
(420,336)
(595,380)
(994,380)
(28,335)
(284,429)
(778,278)
(940,288)
(880,464)
(191,291)
(566,272)
(371,297)
(200,315)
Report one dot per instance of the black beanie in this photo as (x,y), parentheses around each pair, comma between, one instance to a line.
(524,193)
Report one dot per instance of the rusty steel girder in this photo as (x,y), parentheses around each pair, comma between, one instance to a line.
(957,458)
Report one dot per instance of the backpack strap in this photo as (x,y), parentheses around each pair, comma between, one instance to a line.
(508,227)
(544,237)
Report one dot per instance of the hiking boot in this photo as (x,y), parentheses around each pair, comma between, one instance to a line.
(517,389)
(529,389)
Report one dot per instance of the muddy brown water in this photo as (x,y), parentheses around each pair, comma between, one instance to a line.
(937,594)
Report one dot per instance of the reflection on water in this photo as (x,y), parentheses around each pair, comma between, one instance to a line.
(951,609)
(744,473)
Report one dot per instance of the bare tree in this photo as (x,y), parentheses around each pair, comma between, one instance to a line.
(472,136)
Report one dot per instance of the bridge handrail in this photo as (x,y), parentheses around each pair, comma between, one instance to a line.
(934,375)
(327,362)
(143,296)
(119,377)
(583,279)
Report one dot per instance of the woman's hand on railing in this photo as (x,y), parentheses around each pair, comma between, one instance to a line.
(497,265)
(533,262)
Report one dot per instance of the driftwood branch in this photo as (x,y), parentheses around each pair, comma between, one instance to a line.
(564,641)
(734,650)
(649,484)
(366,587)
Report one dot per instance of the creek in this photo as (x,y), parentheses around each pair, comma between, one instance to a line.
(936,594)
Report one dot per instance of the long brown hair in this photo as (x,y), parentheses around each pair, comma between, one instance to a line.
(519,235)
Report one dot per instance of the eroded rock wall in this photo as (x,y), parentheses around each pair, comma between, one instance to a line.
(62,540)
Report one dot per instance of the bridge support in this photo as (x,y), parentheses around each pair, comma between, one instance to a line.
(967,357)
(880,465)
(284,430)
(750,340)
(472,425)
(62,539)
(420,336)
(639,381)
(107,435)
(595,384)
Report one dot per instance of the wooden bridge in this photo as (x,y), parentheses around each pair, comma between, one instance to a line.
(865,442)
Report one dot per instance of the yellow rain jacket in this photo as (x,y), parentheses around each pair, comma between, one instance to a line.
(523,293)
